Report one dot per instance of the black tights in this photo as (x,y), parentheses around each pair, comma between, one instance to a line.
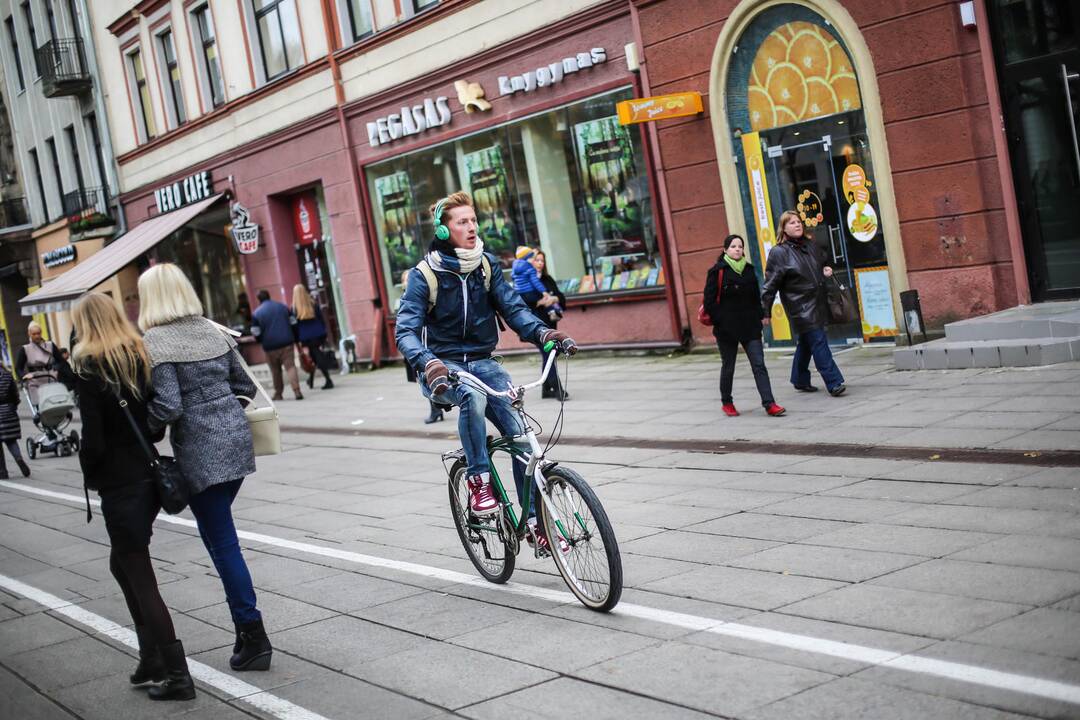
(314,348)
(135,575)
(13,448)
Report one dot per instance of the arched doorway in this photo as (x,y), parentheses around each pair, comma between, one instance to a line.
(798,125)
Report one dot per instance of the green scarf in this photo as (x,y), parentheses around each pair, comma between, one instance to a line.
(736,265)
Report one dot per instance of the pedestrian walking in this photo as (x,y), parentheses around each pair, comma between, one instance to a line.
(795,270)
(113,366)
(274,325)
(437,411)
(550,315)
(10,427)
(197,375)
(311,333)
(733,303)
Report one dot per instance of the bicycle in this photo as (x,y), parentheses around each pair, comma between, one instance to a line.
(591,565)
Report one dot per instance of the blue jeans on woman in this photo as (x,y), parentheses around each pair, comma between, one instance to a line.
(815,343)
(474,407)
(213,513)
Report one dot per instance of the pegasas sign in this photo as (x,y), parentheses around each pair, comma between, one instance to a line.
(410,121)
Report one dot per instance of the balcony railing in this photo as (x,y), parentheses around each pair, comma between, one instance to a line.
(13,213)
(87,209)
(63,68)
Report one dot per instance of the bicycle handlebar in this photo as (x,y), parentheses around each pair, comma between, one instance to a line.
(512,393)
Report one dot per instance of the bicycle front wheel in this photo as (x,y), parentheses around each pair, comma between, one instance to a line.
(479,536)
(591,566)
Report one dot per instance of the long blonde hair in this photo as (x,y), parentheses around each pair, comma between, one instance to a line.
(165,295)
(781,236)
(108,345)
(302,304)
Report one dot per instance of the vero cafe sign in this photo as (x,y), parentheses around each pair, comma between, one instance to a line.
(183,192)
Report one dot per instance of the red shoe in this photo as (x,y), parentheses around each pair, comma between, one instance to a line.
(542,539)
(775,410)
(729,410)
(482,500)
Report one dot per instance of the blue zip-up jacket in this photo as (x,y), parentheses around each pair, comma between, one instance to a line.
(462,325)
(272,323)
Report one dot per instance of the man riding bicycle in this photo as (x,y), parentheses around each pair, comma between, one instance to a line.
(451,325)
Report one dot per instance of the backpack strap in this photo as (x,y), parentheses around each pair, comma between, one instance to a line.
(433,281)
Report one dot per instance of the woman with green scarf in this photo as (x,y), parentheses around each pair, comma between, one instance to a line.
(733,303)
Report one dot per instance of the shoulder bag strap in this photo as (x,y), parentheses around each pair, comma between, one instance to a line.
(251,376)
(151,452)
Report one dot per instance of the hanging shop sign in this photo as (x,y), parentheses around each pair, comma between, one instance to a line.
(190,190)
(659,107)
(550,74)
(245,233)
(59,256)
(433,112)
(305,210)
(876,303)
(763,224)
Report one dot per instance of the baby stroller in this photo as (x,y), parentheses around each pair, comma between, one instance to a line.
(52,413)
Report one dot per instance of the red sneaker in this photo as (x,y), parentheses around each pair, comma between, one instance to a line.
(482,500)
(542,539)
(729,410)
(775,410)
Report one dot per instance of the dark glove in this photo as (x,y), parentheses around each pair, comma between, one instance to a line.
(437,377)
(564,341)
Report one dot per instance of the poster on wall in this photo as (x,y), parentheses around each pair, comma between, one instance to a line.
(305,210)
(398,217)
(876,303)
(606,162)
(490,189)
(862,219)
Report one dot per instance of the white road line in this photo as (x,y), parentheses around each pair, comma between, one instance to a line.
(972,674)
(233,687)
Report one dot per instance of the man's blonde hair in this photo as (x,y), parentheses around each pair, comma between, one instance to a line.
(451,201)
(165,295)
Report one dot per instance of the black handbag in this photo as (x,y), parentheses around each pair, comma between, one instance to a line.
(841,306)
(165,472)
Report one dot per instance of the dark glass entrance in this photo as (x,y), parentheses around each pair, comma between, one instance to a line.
(1037,49)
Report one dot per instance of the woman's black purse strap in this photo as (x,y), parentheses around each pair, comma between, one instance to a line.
(150,450)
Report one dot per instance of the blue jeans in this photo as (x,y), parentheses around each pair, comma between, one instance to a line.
(213,513)
(474,407)
(815,343)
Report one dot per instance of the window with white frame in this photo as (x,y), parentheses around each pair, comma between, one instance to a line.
(140,96)
(278,30)
(361,18)
(206,52)
(170,78)
(420,5)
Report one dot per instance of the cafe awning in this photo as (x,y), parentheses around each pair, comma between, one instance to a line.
(62,291)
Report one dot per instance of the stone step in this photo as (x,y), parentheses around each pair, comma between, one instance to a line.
(953,355)
(1044,321)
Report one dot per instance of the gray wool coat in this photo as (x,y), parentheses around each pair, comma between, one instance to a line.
(197,399)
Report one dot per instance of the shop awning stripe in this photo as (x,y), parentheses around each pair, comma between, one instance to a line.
(111,259)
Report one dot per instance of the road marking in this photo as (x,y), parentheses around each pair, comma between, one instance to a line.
(972,674)
(233,687)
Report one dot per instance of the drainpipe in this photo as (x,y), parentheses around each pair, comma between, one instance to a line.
(358,202)
(83,27)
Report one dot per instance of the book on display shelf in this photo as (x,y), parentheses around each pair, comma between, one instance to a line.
(588,284)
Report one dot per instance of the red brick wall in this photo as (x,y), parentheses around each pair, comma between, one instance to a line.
(938,129)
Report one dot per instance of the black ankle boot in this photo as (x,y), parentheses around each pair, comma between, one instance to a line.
(151,668)
(178,684)
(329,384)
(311,381)
(255,649)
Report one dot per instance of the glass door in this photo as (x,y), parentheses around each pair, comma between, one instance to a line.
(1037,44)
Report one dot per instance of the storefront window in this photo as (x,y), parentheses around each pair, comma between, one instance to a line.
(210,260)
(570,182)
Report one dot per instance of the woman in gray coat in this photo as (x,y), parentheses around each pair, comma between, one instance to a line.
(197,376)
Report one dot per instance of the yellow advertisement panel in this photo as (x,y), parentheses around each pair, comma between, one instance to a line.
(763,223)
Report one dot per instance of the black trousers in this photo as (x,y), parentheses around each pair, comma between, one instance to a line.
(755,353)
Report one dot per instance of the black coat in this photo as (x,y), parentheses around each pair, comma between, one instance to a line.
(110,453)
(540,311)
(10,428)
(738,314)
(794,270)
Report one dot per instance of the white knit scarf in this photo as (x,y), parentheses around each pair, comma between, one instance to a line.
(470,259)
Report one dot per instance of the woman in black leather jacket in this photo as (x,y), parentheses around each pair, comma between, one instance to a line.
(795,270)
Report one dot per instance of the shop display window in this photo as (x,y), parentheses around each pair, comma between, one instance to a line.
(570,181)
(203,250)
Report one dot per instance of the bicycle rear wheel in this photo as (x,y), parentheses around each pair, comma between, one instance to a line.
(481,537)
(592,567)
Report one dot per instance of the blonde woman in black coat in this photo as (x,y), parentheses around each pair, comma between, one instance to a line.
(111,363)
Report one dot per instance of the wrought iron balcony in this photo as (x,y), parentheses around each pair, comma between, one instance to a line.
(13,213)
(87,209)
(63,68)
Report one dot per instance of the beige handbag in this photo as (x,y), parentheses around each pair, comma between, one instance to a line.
(263,421)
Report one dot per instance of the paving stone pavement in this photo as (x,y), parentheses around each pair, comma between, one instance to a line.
(974,565)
